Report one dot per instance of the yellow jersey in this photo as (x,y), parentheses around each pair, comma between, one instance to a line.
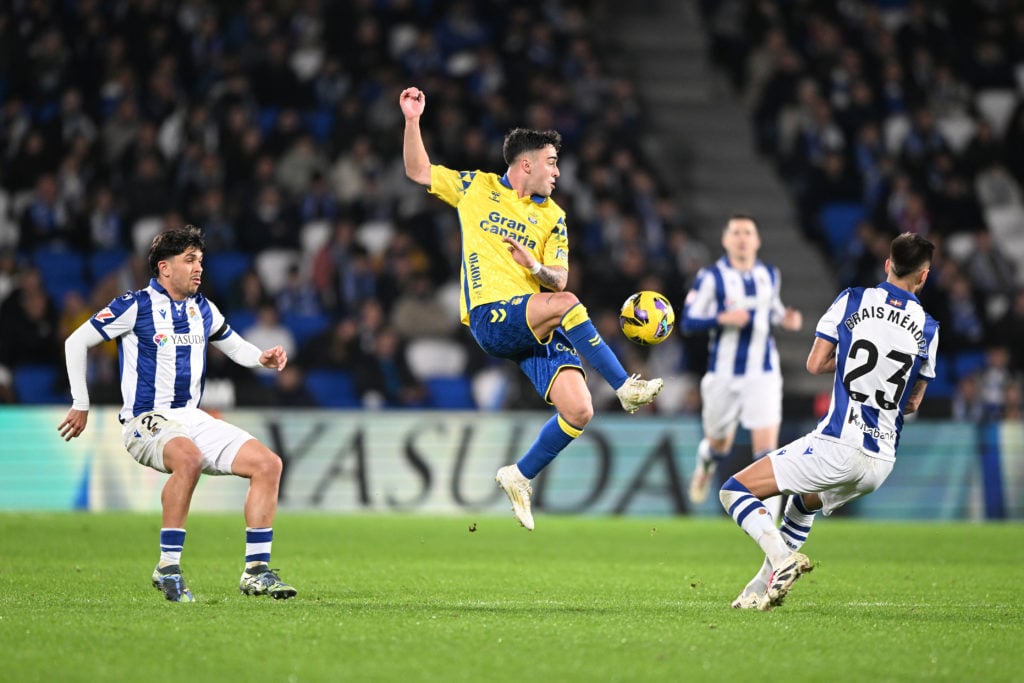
(490,210)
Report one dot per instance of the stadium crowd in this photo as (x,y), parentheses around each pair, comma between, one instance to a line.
(274,127)
(889,116)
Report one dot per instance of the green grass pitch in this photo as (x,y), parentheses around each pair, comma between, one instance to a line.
(463,598)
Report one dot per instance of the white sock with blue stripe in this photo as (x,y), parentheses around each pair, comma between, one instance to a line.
(257,546)
(796,526)
(172,542)
(753,517)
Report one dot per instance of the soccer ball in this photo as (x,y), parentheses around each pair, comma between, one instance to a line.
(647,318)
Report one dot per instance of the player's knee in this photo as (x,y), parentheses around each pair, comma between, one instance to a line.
(187,462)
(580,414)
(270,465)
(566,302)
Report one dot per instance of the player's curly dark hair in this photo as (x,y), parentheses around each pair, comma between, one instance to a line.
(909,253)
(521,140)
(173,242)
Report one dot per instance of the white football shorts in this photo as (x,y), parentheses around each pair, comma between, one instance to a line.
(752,401)
(146,435)
(836,472)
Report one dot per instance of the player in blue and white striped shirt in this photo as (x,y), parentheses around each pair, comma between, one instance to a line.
(162,334)
(737,301)
(881,346)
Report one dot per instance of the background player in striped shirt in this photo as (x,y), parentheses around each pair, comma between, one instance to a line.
(162,333)
(881,345)
(514,243)
(737,301)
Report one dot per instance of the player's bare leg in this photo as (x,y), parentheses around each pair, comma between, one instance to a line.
(263,469)
(183,460)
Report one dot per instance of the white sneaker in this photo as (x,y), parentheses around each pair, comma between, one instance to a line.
(517,488)
(746,600)
(636,392)
(782,579)
(700,482)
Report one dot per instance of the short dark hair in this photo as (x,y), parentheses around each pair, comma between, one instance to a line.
(909,253)
(173,242)
(521,140)
(739,216)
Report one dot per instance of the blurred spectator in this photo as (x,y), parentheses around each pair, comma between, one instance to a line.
(290,388)
(29,324)
(267,332)
(383,378)
(298,297)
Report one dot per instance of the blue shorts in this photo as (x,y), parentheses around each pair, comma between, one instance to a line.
(501,330)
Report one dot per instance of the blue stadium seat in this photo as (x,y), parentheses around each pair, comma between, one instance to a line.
(333,388)
(455,393)
(967,363)
(304,326)
(62,271)
(101,263)
(839,222)
(223,269)
(240,321)
(320,123)
(943,386)
(37,384)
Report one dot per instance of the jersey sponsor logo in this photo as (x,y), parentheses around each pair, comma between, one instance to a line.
(474,271)
(874,432)
(495,196)
(161,339)
(104,315)
(503,226)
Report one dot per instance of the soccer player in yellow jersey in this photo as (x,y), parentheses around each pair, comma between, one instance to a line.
(514,243)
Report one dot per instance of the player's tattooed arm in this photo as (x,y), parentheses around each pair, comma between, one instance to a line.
(552,277)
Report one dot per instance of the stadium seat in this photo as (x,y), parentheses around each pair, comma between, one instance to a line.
(967,363)
(319,123)
(101,263)
(224,268)
(453,393)
(37,384)
(490,386)
(943,385)
(431,357)
(375,236)
(273,265)
(241,320)
(996,105)
(839,222)
(895,129)
(143,232)
(313,236)
(304,326)
(957,131)
(333,388)
(62,271)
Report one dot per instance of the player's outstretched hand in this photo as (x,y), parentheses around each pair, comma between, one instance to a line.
(73,424)
(412,101)
(274,358)
(519,253)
